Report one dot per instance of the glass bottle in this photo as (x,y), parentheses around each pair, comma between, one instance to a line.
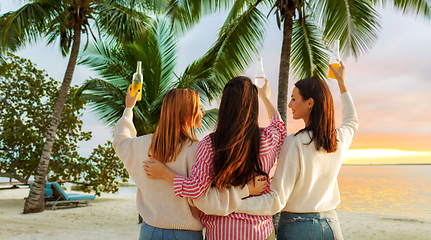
(259,78)
(335,58)
(137,81)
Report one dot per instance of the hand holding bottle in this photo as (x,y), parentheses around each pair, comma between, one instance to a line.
(334,61)
(339,75)
(131,100)
(264,91)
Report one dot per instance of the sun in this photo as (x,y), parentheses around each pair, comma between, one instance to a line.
(387,156)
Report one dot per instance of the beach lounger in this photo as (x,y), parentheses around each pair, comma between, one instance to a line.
(55,196)
(47,191)
(61,198)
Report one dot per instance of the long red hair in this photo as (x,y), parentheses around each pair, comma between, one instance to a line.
(180,109)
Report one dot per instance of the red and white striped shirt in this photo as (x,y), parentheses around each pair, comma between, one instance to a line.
(235,225)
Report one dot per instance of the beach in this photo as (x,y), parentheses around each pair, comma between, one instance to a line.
(115,217)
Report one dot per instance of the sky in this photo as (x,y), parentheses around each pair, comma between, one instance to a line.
(390,85)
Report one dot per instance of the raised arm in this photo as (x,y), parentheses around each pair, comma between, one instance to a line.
(124,137)
(265,94)
(349,124)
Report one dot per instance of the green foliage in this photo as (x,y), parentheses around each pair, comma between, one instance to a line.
(228,57)
(102,170)
(27,97)
(56,19)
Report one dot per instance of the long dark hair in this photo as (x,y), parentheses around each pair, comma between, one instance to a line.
(236,140)
(321,121)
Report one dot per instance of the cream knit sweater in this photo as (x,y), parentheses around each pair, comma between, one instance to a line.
(155,198)
(305,179)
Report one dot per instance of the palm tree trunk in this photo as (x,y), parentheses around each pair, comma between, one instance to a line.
(283,77)
(36,199)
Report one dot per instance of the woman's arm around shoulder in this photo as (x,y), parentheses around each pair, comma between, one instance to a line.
(281,185)
(222,202)
(200,175)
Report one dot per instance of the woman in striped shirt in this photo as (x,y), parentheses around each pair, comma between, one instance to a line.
(237,151)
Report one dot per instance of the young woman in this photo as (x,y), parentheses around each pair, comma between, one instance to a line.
(305,186)
(166,216)
(232,155)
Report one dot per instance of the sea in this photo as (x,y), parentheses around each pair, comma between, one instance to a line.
(403,190)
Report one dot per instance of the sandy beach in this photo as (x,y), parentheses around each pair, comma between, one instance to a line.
(115,217)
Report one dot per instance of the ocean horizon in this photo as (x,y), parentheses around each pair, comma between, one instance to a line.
(399,189)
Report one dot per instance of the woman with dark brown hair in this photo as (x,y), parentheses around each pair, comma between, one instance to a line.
(304,187)
(236,152)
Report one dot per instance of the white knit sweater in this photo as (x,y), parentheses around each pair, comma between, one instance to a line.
(155,198)
(305,179)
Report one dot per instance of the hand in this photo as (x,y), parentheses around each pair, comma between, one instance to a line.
(155,169)
(338,73)
(264,91)
(257,185)
(131,100)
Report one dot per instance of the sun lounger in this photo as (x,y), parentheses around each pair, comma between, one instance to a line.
(55,196)
(66,199)
(47,191)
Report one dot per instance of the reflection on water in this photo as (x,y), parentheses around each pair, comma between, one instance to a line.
(399,189)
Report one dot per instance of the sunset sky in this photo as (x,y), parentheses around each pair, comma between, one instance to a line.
(390,85)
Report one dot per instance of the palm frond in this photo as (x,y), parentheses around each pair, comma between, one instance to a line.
(184,14)
(236,9)
(237,45)
(109,60)
(354,22)
(416,8)
(209,121)
(24,25)
(117,63)
(308,54)
(58,29)
(126,25)
(105,99)
(150,6)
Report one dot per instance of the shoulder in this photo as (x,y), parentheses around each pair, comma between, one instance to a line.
(288,141)
(145,138)
(191,146)
(206,141)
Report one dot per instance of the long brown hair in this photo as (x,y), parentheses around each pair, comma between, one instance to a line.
(236,140)
(180,109)
(321,121)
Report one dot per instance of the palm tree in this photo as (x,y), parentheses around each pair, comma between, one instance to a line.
(65,20)
(228,57)
(309,27)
